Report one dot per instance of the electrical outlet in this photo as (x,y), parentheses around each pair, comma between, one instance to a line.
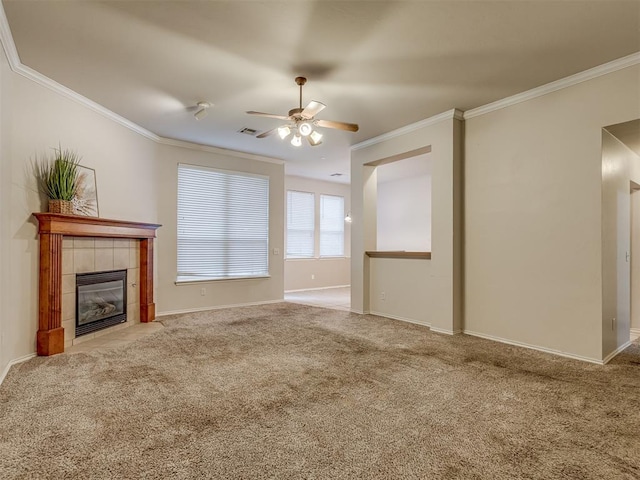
(203,291)
(276,251)
(383,296)
(313,277)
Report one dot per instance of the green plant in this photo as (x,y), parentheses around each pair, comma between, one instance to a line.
(58,176)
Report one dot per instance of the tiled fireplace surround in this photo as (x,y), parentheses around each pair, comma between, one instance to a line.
(86,255)
(71,244)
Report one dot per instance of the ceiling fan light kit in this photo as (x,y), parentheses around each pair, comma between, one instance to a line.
(284,132)
(305,128)
(296,141)
(303,122)
(315,138)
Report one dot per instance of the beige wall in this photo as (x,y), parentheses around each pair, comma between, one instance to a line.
(136,179)
(436,290)
(404,214)
(533,183)
(34,119)
(635,260)
(326,272)
(187,296)
(620,166)
(6,353)
(397,289)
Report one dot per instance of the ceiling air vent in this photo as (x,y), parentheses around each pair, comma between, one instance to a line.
(248,131)
(336,174)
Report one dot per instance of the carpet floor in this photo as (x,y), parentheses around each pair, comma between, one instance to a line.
(293,391)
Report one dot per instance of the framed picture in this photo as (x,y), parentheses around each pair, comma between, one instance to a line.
(86,200)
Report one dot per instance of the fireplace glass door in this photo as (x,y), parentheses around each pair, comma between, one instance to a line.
(101,300)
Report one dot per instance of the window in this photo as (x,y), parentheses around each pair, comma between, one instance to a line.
(300,224)
(223,224)
(331,226)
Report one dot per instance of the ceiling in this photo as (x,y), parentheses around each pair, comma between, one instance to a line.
(381,64)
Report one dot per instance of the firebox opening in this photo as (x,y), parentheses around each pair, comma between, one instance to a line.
(101,300)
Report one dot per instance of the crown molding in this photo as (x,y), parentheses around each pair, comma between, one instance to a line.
(600,70)
(17,67)
(221,151)
(40,79)
(448,115)
(9,46)
(7,39)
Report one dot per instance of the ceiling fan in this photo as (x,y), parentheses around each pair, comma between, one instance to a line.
(301,122)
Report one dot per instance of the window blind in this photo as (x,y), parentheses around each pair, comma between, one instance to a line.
(331,226)
(300,224)
(223,224)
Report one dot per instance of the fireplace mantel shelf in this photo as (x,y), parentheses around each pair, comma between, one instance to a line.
(51,228)
(80,226)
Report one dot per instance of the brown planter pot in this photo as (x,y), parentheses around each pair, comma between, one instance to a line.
(61,206)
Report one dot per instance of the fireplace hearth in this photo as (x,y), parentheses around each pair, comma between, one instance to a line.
(101,300)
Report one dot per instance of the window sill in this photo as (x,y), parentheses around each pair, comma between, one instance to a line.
(399,254)
(196,280)
(315,258)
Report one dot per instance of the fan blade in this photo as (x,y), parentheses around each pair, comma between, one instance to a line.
(350,127)
(270,115)
(312,109)
(267,133)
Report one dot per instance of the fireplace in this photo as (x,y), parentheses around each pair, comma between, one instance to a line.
(101,300)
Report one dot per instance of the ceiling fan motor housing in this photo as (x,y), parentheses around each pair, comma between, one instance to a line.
(295,113)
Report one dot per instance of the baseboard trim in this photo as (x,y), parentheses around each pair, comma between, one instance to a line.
(446,331)
(216,307)
(14,362)
(533,347)
(618,350)
(635,331)
(316,288)
(402,319)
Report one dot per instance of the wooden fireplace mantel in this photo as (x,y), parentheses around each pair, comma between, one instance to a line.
(51,228)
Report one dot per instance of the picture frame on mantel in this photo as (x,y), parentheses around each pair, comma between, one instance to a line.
(86,200)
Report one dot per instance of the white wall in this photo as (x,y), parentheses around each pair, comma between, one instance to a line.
(327,272)
(620,166)
(404,214)
(136,179)
(533,202)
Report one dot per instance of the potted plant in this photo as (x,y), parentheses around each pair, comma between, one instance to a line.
(58,179)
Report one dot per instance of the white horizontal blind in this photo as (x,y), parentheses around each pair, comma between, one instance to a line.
(300,224)
(331,226)
(223,224)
